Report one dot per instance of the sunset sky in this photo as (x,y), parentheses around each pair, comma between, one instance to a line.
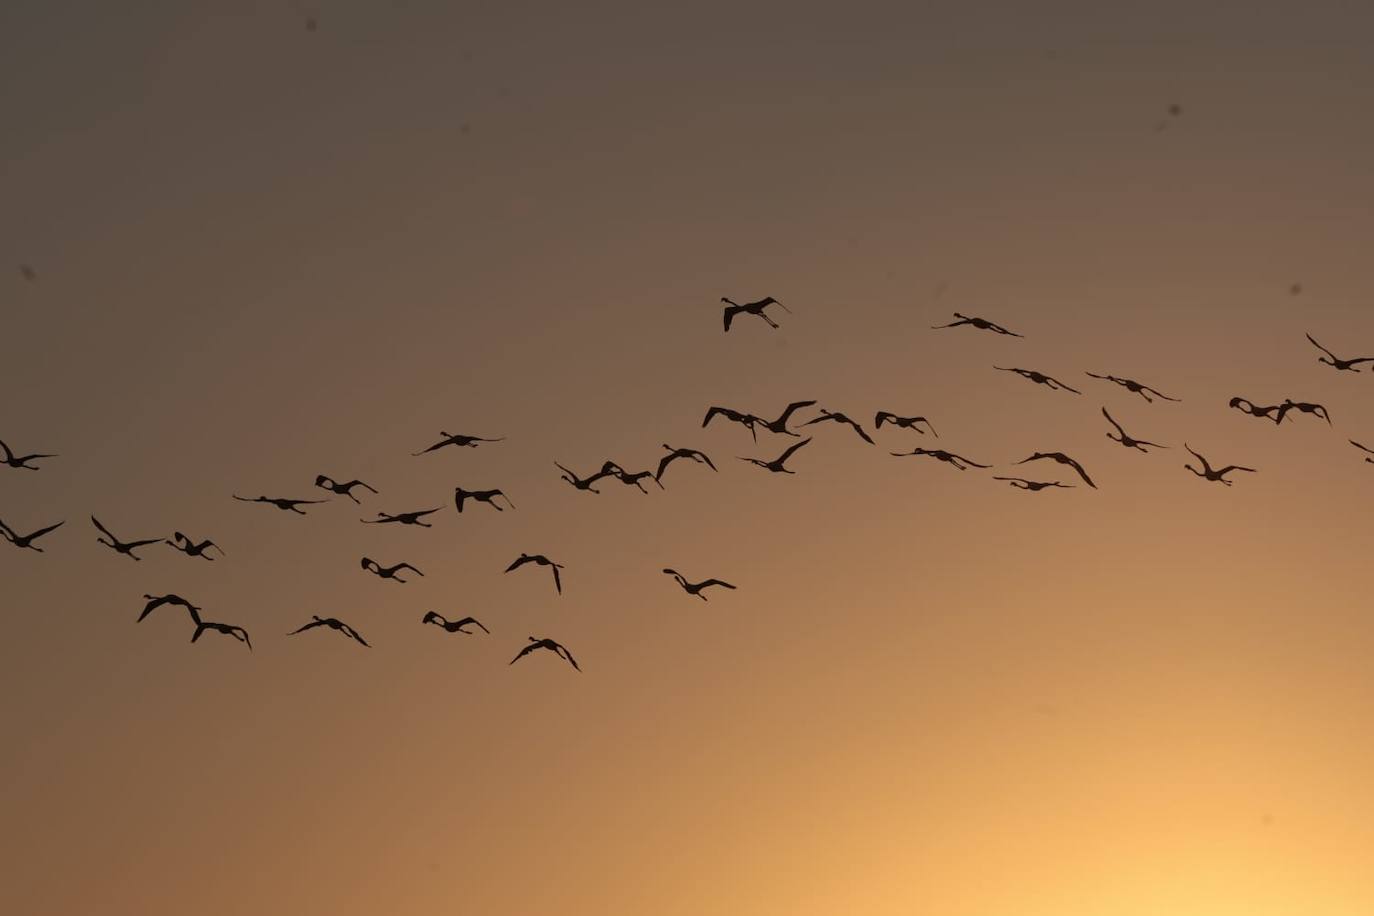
(262,252)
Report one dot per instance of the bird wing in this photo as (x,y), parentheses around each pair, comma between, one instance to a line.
(557,579)
(663,463)
(791,408)
(706,458)
(1081,473)
(526,651)
(200,628)
(106,531)
(862,435)
(1113,422)
(1361,447)
(568,655)
(1320,347)
(730,311)
(720,582)
(357,636)
(409,567)
(143,543)
(42,531)
(519,562)
(1234,467)
(9,455)
(311,625)
(787,454)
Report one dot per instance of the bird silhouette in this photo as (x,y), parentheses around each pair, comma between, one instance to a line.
(836,417)
(238,633)
(940,454)
(1133,386)
(388,572)
(747,420)
(342,489)
(286,505)
(119,546)
(333,623)
(981,324)
(1061,458)
(674,454)
(461,496)
(21,461)
(695,588)
(1272,412)
(540,560)
(457,440)
(1330,359)
(26,540)
(1302,407)
(634,479)
(453,626)
(582,483)
(733,308)
(1125,439)
(779,425)
(1040,378)
(776,465)
(1022,483)
(157,601)
(404,518)
(554,647)
(1207,473)
(884,416)
(192,549)
(1363,448)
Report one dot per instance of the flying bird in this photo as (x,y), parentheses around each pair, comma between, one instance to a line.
(119,546)
(1040,378)
(836,417)
(192,549)
(342,489)
(981,324)
(779,425)
(539,560)
(634,479)
(695,588)
(554,647)
(334,624)
(674,454)
(940,454)
(461,496)
(1330,359)
(1022,483)
(1363,449)
(1133,386)
(238,633)
(1207,473)
(776,465)
(582,483)
(1254,410)
(884,416)
(1125,439)
(453,626)
(388,572)
(157,601)
(286,505)
(1302,407)
(404,518)
(26,540)
(1061,458)
(751,308)
(458,440)
(21,461)
(734,416)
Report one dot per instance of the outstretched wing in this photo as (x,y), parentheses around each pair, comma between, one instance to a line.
(42,531)
(309,626)
(526,651)
(519,562)
(788,453)
(1320,347)
(1119,430)
(106,531)
(409,567)
(720,582)
(557,579)
(1081,473)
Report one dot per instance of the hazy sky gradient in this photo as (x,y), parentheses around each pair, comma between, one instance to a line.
(265,253)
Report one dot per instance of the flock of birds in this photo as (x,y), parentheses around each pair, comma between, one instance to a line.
(781,425)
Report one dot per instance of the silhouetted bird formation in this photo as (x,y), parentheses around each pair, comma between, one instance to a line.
(780,425)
